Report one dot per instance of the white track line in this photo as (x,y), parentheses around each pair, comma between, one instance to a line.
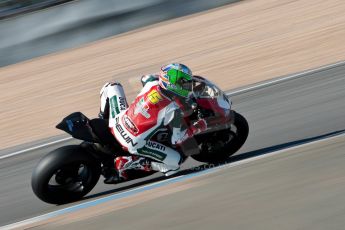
(289,77)
(34,148)
(254,87)
(75,208)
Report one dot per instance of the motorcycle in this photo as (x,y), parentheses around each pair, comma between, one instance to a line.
(68,173)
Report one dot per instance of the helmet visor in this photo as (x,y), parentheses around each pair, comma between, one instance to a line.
(180,78)
(186,84)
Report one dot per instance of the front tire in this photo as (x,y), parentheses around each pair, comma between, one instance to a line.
(230,148)
(65,174)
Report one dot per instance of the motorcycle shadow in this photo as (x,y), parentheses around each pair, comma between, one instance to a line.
(133,184)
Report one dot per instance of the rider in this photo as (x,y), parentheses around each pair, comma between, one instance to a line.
(162,104)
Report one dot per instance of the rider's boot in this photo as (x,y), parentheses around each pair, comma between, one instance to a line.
(111,176)
(123,164)
(117,172)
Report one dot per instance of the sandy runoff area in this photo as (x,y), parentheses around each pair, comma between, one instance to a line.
(235,45)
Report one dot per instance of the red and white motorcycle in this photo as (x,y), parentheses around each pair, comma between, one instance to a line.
(70,172)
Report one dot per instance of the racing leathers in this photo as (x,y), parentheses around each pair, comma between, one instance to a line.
(140,126)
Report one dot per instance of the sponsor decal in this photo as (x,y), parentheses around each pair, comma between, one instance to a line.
(123,103)
(154,97)
(123,133)
(129,124)
(155,145)
(69,125)
(142,108)
(114,108)
(152,153)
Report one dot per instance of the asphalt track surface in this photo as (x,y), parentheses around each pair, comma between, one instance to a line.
(281,115)
(299,188)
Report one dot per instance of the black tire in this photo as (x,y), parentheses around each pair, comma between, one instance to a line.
(71,159)
(242,130)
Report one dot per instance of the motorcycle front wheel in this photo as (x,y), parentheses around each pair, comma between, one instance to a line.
(65,174)
(237,137)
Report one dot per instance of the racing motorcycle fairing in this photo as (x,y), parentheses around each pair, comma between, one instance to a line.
(78,126)
(212,101)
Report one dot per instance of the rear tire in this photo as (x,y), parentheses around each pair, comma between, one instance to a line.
(230,148)
(74,173)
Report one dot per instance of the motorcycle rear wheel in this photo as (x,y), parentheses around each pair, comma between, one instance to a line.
(65,174)
(231,147)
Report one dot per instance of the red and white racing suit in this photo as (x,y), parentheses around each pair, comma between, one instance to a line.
(134,126)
